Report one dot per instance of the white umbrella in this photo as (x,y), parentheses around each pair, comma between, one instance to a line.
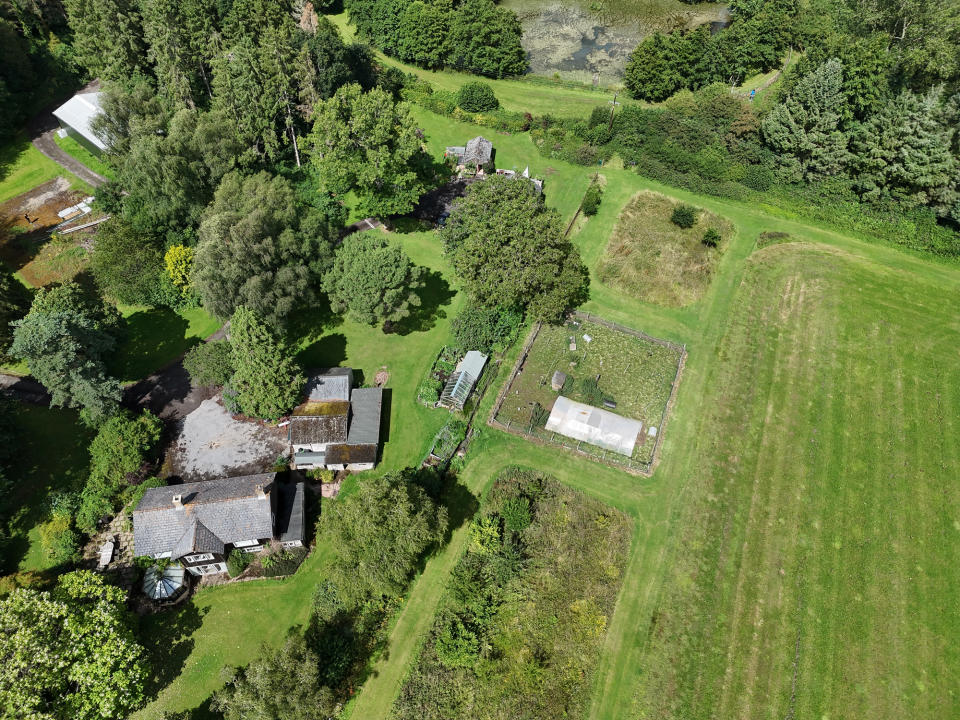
(163,585)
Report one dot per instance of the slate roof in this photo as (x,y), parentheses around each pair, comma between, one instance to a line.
(197,538)
(290,513)
(78,112)
(232,509)
(310,429)
(365,416)
(479,150)
(329,384)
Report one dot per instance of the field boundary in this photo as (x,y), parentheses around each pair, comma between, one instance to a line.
(551,439)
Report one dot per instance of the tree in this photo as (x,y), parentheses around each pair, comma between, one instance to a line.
(119,458)
(477,97)
(108,37)
(210,363)
(178,262)
(126,264)
(368,143)
(372,279)
(423,33)
(591,199)
(651,73)
(905,151)
(504,224)
(478,327)
(486,39)
(251,252)
(380,532)
(178,35)
(804,130)
(267,382)
(14,304)
(282,684)
(65,339)
(711,238)
(70,652)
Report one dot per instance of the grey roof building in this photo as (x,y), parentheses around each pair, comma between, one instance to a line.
(336,427)
(76,116)
(203,519)
(477,151)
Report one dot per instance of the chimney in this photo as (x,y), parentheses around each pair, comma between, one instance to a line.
(178,502)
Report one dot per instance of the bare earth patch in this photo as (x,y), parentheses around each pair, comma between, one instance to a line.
(212,444)
(654,260)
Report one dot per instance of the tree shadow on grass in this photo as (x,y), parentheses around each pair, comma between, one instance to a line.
(153,338)
(435,294)
(169,639)
(325,352)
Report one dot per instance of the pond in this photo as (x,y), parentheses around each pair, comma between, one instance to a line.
(592,41)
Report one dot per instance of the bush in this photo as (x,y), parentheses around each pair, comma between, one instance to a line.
(429,390)
(516,513)
(758,177)
(538,416)
(477,97)
(482,328)
(684,216)
(60,541)
(238,561)
(711,238)
(210,363)
(282,562)
(591,199)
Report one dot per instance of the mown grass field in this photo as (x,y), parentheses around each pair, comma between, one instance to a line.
(73,148)
(23,167)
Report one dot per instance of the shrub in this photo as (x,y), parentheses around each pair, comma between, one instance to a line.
(283,562)
(210,363)
(516,513)
(758,177)
(60,541)
(238,561)
(457,645)
(538,416)
(476,97)
(591,391)
(591,199)
(482,328)
(684,216)
(429,390)
(711,238)
(322,475)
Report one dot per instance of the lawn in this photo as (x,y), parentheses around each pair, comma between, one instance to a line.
(652,259)
(23,167)
(82,155)
(636,373)
(51,455)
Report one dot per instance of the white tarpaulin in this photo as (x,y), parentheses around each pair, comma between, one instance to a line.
(593,425)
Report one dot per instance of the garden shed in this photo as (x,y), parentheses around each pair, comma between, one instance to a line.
(462,380)
(593,425)
(76,116)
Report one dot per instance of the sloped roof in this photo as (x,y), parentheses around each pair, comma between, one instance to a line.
(344,454)
(78,112)
(365,416)
(231,509)
(478,151)
(290,513)
(329,384)
(318,429)
(197,538)
(593,425)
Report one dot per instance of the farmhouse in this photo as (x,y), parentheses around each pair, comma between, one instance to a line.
(593,425)
(199,523)
(476,153)
(76,116)
(337,427)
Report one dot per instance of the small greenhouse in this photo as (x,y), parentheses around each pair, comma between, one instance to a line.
(165,584)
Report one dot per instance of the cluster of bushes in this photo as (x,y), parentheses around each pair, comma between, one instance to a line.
(428,392)
(447,103)
(487,329)
(475,36)
(283,561)
(490,656)
(448,438)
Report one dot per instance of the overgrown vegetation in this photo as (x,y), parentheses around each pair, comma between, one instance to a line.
(519,631)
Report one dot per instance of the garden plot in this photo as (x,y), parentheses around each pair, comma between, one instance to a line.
(602,365)
(656,261)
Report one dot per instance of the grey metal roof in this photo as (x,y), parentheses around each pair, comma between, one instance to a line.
(232,509)
(319,429)
(78,112)
(197,538)
(329,384)
(473,362)
(478,151)
(290,513)
(365,416)
(461,381)
(593,425)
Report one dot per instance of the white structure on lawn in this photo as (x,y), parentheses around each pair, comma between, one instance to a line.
(593,425)
(75,117)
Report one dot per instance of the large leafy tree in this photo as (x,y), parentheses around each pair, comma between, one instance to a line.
(14,304)
(284,684)
(372,279)
(508,249)
(651,73)
(380,532)
(368,143)
(423,34)
(267,381)
(485,39)
(126,264)
(804,130)
(252,252)
(65,340)
(70,652)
